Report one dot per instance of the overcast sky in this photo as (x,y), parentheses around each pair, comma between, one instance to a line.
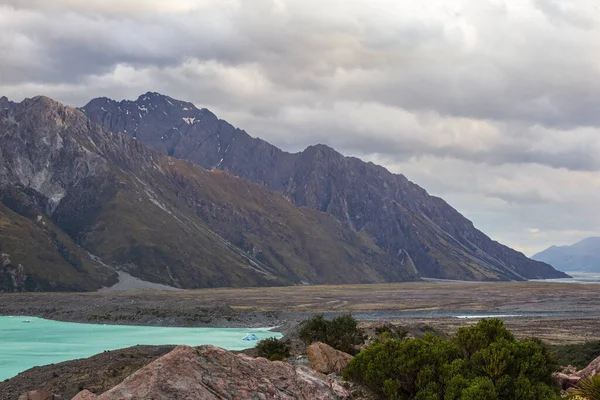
(493,105)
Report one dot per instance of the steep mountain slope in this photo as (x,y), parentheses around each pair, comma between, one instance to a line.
(161,219)
(583,256)
(37,255)
(403,219)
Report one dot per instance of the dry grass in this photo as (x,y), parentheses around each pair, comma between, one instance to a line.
(515,296)
(572,310)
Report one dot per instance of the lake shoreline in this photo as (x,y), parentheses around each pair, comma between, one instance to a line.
(30,341)
(101,370)
(434,302)
(557,313)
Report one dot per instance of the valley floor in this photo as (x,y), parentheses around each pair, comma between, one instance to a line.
(555,312)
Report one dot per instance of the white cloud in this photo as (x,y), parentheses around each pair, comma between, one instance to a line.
(118,7)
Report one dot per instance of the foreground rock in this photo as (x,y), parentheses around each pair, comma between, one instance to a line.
(214,373)
(592,369)
(568,380)
(565,381)
(325,359)
(38,395)
(85,395)
(98,373)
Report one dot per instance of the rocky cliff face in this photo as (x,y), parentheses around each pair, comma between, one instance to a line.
(6,104)
(37,167)
(213,373)
(412,227)
(70,187)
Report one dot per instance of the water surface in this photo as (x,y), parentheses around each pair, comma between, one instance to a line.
(577,277)
(39,342)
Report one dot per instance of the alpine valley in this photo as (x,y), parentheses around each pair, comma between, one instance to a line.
(172,195)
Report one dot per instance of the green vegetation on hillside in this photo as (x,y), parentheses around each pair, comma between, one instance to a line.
(482,362)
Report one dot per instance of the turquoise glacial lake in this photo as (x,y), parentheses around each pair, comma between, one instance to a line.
(40,342)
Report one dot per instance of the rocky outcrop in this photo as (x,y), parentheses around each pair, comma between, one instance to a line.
(565,381)
(592,369)
(38,395)
(417,230)
(327,360)
(213,373)
(12,277)
(85,395)
(6,104)
(568,379)
(97,374)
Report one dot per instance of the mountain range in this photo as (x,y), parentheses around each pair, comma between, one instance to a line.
(173,195)
(583,256)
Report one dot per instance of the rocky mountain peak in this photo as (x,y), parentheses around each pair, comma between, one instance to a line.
(322,151)
(157,100)
(35,136)
(6,104)
(42,107)
(41,104)
(149,94)
(320,147)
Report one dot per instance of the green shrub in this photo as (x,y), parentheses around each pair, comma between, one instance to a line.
(483,362)
(579,355)
(341,333)
(273,349)
(391,331)
(314,329)
(588,388)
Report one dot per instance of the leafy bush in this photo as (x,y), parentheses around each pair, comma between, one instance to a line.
(314,329)
(341,332)
(579,355)
(482,362)
(588,389)
(273,349)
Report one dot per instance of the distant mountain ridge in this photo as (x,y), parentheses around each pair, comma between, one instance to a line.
(411,226)
(583,256)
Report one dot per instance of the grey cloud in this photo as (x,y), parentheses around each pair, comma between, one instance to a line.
(74,46)
(519,144)
(565,13)
(530,197)
(525,72)
(513,153)
(450,86)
